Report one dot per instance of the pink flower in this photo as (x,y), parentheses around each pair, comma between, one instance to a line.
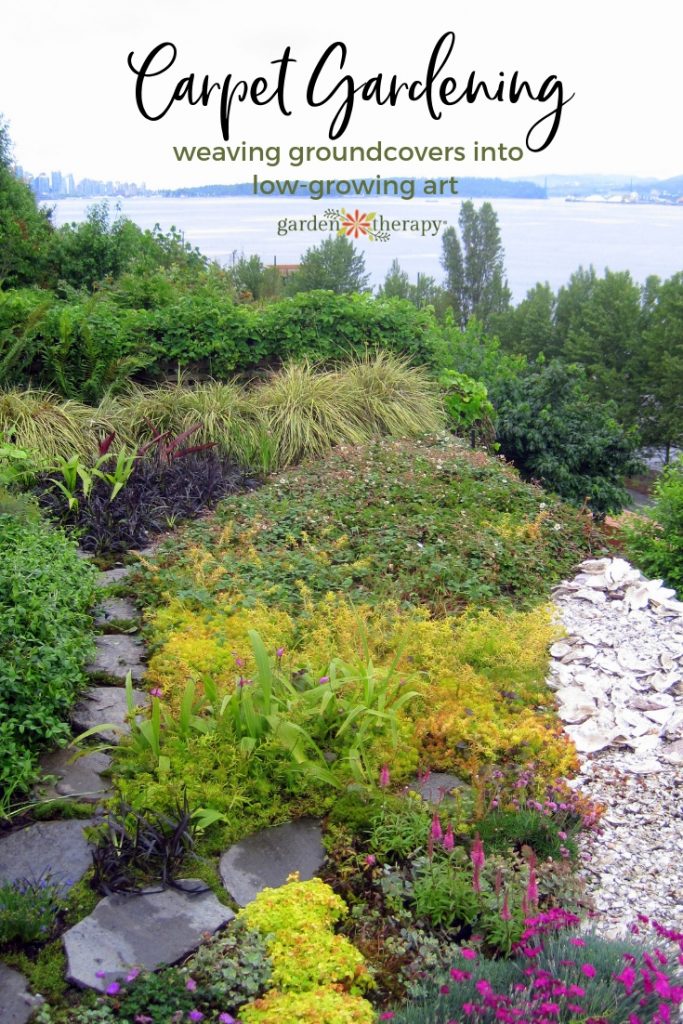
(384,778)
(278,654)
(505,911)
(477,853)
(444,990)
(469,954)
(195,1015)
(437,831)
(627,979)
(156,692)
(371,860)
(457,975)
(142,1018)
(132,975)
(386,1016)
(588,970)
(577,942)
(190,984)
(324,679)
(449,839)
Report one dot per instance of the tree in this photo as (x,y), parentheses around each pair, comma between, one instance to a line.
(551,427)
(253,280)
(333,265)
(396,283)
(530,328)
(659,364)
(474,265)
(25,230)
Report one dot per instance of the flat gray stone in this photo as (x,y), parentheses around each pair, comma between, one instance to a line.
(102,705)
(115,609)
(267,858)
(148,930)
(437,787)
(116,656)
(17,1005)
(58,848)
(80,779)
(105,579)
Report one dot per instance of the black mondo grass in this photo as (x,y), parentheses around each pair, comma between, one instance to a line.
(139,848)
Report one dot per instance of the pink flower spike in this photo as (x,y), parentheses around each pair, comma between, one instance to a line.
(505,911)
(384,778)
(532,887)
(190,984)
(449,839)
(437,831)
(477,853)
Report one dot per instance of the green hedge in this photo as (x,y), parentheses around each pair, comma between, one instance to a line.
(83,344)
(45,639)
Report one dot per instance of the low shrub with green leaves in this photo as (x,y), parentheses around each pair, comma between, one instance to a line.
(45,640)
(654,540)
(28,909)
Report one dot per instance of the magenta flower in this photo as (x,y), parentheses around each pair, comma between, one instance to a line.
(384,778)
(449,839)
(132,974)
(195,1015)
(324,679)
(156,692)
(457,975)
(469,954)
(505,911)
(113,989)
(100,974)
(588,970)
(278,654)
(477,853)
(386,1016)
(627,979)
(444,990)
(437,831)
(190,984)
(226,1018)
(371,860)
(577,942)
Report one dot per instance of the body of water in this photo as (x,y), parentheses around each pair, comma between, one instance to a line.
(544,240)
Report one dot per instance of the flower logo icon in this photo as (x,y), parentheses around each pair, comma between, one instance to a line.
(355,224)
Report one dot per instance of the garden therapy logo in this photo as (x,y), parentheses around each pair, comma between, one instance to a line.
(357,224)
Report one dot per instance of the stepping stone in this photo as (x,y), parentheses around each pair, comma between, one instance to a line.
(18,1005)
(148,931)
(115,609)
(267,858)
(117,656)
(102,705)
(55,847)
(437,787)
(81,778)
(105,579)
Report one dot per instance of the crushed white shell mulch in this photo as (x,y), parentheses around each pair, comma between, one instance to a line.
(618,678)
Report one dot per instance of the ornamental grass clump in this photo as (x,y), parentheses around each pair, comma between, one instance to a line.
(393,397)
(51,427)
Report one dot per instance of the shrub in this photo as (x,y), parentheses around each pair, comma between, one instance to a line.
(654,540)
(45,639)
(503,830)
(318,1006)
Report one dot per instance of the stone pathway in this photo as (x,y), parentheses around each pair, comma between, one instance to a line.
(618,678)
(17,1005)
(268,857)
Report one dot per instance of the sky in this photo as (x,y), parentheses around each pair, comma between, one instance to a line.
(69,95)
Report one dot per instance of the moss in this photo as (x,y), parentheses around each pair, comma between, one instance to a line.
(46,972)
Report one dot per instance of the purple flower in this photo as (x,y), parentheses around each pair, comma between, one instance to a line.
(226,1018)
(324,679)
(132,975)
(278,654)
(195,1015)
(190,984)
(113,989)
(156,692)
(384,778)
(100,974)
